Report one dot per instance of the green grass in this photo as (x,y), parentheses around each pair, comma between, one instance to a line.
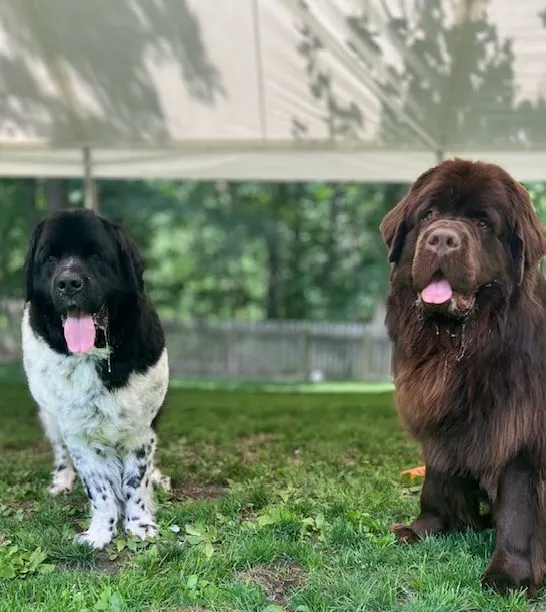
(282,501)
(14,372)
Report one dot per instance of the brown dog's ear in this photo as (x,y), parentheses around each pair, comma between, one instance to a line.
(515,242)
(394,225)
(393,230)
(528,239)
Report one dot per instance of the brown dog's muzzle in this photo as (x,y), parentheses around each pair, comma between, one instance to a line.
(443,241)
(445,266)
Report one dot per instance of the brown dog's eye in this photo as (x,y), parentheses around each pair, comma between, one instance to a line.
(484,224)
(427,216)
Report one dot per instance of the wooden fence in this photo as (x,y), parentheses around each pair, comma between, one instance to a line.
(272,350)
(279,350)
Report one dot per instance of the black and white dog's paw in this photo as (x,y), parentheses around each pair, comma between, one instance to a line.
(143,528)
(161,480)
(96,538)
(63,482)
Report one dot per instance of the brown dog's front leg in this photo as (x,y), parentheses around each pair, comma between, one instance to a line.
(447,503)
(516,513)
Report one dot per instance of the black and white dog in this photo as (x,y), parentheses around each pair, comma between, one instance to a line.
(96,363)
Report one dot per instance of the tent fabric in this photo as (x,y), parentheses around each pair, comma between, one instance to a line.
(366,90)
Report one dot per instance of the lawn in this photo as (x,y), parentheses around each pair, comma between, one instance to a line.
(281,501)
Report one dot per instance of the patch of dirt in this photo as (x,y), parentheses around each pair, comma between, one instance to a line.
(350,457)
(191,489)
(39,447)
(104,565)
(193,453)
(4,540)
(28,507)
(255,440)
(251,446)
(279,581)
(97,563)
(247,513)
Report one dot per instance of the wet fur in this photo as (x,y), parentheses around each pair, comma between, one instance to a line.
(97,409)
(473,393)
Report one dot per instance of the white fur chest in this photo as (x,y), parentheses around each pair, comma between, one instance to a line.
(70,390)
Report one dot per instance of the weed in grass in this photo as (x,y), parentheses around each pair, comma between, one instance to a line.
(17,563)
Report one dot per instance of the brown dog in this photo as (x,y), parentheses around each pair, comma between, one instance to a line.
(467,317)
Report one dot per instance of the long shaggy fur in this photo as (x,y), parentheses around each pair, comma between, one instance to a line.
(472,390)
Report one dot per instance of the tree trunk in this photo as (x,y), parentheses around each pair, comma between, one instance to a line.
(295,303)
(33,215)
(89,185)
(273,272)
(56,194)
(273,240)
(332,258)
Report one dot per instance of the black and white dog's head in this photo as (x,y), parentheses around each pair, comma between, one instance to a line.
(80,269)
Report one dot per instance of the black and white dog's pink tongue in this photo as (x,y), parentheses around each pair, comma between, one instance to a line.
(79,333)
(437,292)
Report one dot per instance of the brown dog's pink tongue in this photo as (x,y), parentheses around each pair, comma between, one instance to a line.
(79,333)
(437,292)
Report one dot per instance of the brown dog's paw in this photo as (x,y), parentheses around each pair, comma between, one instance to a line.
(506,573)
(405,534)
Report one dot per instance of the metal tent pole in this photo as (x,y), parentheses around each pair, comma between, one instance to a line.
(90,200)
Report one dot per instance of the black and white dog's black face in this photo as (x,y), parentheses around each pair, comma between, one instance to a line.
(79,268)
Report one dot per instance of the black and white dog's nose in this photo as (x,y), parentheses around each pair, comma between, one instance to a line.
(69,283)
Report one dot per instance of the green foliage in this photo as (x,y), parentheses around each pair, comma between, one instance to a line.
(237,250)
(18,563)
(231,250)
(130,543)
(109,600)
(196,588)
(203,537)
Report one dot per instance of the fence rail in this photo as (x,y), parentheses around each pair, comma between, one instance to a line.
(272,350)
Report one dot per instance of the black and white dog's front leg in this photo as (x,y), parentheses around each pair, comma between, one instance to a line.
(63,474)
(100,472)
(138,496)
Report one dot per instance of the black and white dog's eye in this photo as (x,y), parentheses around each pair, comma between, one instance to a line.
(51,259)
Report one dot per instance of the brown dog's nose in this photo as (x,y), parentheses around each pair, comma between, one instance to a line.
(443,240)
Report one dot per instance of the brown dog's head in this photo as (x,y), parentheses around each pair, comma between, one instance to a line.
(462,228)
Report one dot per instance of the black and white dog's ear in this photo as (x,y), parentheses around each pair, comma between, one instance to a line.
(131,260)
(29,260)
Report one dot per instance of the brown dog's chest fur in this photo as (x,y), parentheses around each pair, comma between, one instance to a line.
(467,423)
(473,396)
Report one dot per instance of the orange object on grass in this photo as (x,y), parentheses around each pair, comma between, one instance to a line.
(415,472)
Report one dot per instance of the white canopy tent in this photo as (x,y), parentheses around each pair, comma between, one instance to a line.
(367,90)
